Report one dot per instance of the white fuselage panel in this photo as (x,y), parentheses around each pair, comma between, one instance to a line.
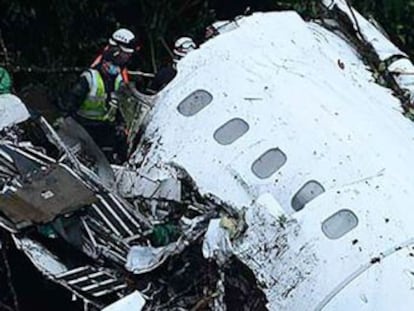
(304,91)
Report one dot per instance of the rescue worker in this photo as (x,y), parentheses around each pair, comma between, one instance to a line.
(93,101)
(123,45)
(182,47)
(210,32)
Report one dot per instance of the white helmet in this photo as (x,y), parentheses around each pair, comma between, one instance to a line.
(124,38)
(184,45)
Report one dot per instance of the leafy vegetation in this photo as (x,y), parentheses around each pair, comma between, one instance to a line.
(53,43)
(395,16)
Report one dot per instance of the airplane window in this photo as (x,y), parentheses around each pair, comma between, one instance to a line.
(339,224)
(307,193)
(231,131)
(194,102)
(268,163)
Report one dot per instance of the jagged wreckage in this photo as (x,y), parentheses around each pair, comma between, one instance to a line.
(299,199)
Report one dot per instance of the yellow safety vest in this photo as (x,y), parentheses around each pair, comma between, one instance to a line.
(95,106)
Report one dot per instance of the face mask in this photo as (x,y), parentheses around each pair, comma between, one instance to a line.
(116,55)
(111,69)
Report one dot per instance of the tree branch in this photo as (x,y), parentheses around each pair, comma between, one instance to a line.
(36,69)
(152,48)
(4,49)
(3,306)
(164,43)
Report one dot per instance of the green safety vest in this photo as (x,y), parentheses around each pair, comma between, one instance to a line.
(95,106)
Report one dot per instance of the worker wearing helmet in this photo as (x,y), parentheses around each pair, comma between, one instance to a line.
(121,46)
(93,101)
(124,38)
(182,47)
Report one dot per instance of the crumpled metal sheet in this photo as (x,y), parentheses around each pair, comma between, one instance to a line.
(133,301)
(217,243)
(12,110)
(142,259)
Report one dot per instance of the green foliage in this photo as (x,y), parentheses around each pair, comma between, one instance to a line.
(395,16)
(307,8)
(163,21)
(69,33)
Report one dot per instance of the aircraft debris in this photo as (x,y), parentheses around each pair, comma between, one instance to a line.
(226,202)
(133,301)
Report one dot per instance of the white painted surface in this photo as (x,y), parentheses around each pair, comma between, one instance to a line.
(306,91)
(12,110)
(132,302)
(335,125)
(216,242)
(43,260)
(369,32)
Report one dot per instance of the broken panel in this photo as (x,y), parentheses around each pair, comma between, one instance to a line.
(75,137)
(92,281)
(41,198)
(22,163)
